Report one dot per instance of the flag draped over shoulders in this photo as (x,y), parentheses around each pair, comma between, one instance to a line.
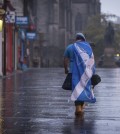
(83,69)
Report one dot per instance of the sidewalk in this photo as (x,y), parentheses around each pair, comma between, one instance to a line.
(33,102)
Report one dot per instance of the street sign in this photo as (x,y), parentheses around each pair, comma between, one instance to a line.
(21,20)
(30,35)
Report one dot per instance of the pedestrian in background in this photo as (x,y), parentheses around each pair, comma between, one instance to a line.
(79,62)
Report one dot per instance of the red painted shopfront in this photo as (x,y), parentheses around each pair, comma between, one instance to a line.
(9,48)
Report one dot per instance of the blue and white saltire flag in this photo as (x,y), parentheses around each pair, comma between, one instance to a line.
(83,69)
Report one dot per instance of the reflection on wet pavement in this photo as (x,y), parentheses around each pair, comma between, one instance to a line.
(33,102)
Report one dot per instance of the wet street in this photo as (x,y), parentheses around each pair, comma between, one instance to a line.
(33,102)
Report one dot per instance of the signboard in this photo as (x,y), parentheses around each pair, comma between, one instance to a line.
(21,20)
(30,35)
(10,17)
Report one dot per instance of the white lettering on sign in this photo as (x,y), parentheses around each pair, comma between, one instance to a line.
(31,35)
(21,20)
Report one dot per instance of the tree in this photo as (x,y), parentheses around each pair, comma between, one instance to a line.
(95,31)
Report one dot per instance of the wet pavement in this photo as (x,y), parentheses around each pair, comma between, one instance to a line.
(33,102)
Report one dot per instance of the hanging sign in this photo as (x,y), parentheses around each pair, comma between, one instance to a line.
(21,20)
(10,17)
(31,35)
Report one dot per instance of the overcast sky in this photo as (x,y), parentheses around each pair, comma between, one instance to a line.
(110,6)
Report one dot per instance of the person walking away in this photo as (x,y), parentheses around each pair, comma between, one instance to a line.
(79,61)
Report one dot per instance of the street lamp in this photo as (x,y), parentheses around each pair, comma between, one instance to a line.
(2,12)
(1,25)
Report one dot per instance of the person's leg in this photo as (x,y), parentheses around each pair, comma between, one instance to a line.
(79,107)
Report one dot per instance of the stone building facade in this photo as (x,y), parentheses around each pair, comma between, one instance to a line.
(56,22)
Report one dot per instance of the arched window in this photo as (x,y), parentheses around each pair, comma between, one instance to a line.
(78,22)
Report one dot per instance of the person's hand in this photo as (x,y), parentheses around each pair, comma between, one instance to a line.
(66,71)
(66,61)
